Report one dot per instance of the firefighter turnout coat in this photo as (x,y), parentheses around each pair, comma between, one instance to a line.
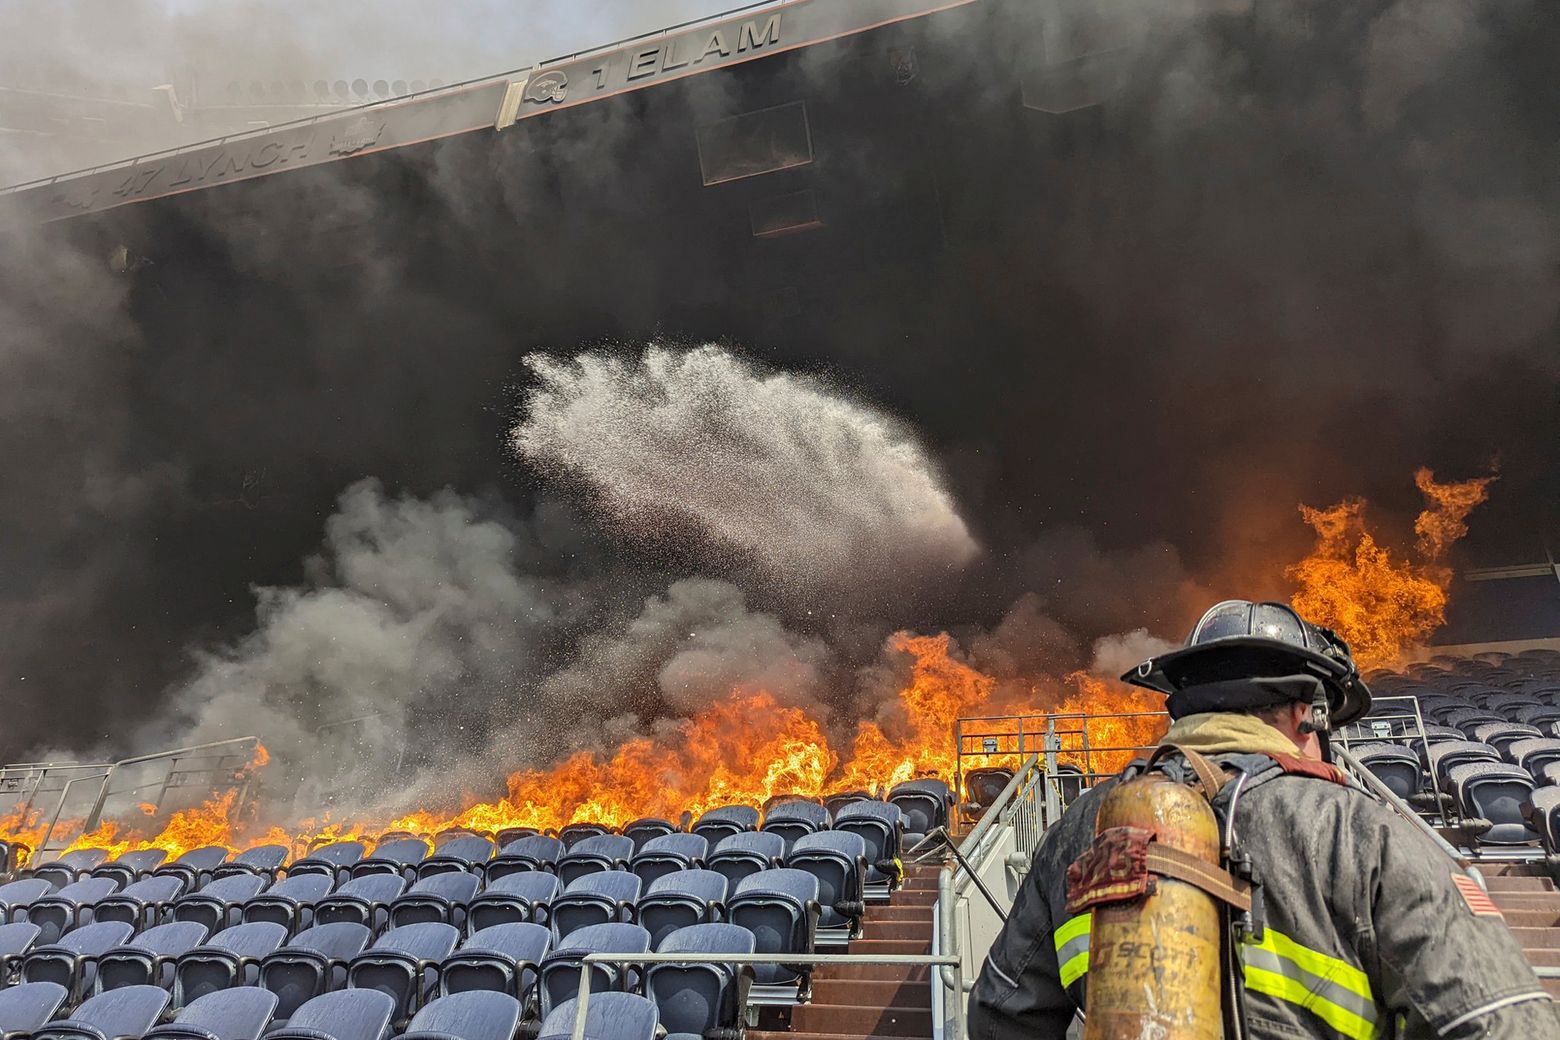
(1368,933)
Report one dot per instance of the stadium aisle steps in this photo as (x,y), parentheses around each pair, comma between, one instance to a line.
(1531,905)
(858,1002)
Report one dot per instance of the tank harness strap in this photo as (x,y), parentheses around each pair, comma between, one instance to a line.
(1220,884)
(1209,776)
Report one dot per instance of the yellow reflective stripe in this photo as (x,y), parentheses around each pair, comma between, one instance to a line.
(1338,972)
(1072,948)
(1073,928)
(1341,1019)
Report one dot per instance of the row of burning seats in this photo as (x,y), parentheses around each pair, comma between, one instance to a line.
(514,921)
(1490,760)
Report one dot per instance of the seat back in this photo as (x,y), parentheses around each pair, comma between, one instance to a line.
(609,1016)
(741,855)
(560,971)
(641,831)
(469,853)
(440,896)
(403,963)
(25,1008)
(127,1012)
(526,896)
(879,825)
(67,868)
(1496,792)
(984,786)
(725,821)
(147,959)
(502,958)
(399,856)
(365,900)
(230,958)
(231,1014)
(352,1014)
(597,852)
(130,867)
(58,913)
(688,897)
(259,859)
(474,1015)
(532,852)
(597,898)
(837,860)
(694,998)
(779,907)
(141,902)
(216,905)
(1395,766)
(924,803)
(667,853)
(72,962)
(289,902)
(336,859)
(791,820)
(312,963)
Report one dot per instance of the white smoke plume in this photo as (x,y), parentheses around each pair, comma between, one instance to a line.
(817,489)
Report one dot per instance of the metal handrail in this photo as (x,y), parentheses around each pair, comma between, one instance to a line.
(96,815)
(912,959)
(1372,783)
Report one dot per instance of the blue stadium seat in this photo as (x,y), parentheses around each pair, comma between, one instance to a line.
(400,856)
(17,896)
(476,1015)
(575,833)
(440,896)
(792,820)
(15,940)
(513,898)
(230,1014)
(313,962)
(260,859)
(925,804)
(131,867)
(533,852)
(669,853)
(1501,735)
(1448,754)
(597,852)
(1496,792)
(642,830)
(839,861)
(693,998)
(880,825)
(1542,812)
(984,786)
(839,800)
(289,902)
(72,962)
(25,1008)
(608,1016)
(217,905)
(229,958)
(741,855)
(509,835)
(196,866)
(403,963)
(1534,754)
(1394,765)
(336,859)
(679,900)
(354,1014)
(68,907)
(560,970)
(148,959)
(72,866)
(121,1014)
(469,854)
(725,821)
(365,901)
(504,958)
(780,908)
(602,897)
(141,903)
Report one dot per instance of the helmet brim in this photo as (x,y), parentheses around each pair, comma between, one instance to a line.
(1243,657)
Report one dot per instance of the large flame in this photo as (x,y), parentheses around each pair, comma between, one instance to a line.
(1382,605)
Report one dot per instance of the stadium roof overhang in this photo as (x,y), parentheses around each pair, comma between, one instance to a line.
(493,104)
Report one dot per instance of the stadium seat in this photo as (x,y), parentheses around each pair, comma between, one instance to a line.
(121,1014)
(1467,720)
(365,901)
(608,1016)
(1543,717)
(597,852)
(1394,765)
(141,903)
(694,999)
(15,940)
(353,1014)
(25,1008)
(17,896)
(1451,753)
(924,803)
(780,908)
(72,866)
(509,835)
(740,855)
(336,859)
(880,825)
(440,896)
(261,859)
(217,905)
(313,962)
(67,908)
(148,959)
(131,867)
(195,866)
(475,1015)
(679,900)
(839,861)
(1534,754)
(668,853)
(289,902)
(229,958)
(469,854)
(575,833)
(514,898)
(230,1014)
(1500,735)
(403,963)
(560,969)
(835,802)
(792,820)
(72,961)
(1543,814)
(532,852)
(642,830)
(725,821)
(400,856)
(1494,791)
(504,958)
(598,898)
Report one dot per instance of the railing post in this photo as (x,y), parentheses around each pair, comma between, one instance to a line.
(1053,797)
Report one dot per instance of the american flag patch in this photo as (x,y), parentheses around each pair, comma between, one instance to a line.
(1477,899)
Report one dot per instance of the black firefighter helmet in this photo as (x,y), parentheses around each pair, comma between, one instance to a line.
(1245,655)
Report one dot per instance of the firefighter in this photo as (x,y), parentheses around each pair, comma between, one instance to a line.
(1364,930)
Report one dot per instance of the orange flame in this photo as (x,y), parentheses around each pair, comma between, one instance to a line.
(1381,605)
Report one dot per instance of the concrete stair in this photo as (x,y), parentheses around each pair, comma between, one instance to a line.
(872,1001)
(1531,905)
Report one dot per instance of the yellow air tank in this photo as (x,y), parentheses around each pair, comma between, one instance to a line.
(1154,971)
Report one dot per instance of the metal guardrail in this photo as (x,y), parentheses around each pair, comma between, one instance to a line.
(955,1022)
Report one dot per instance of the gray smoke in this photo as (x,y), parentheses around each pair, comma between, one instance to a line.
(821,491)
